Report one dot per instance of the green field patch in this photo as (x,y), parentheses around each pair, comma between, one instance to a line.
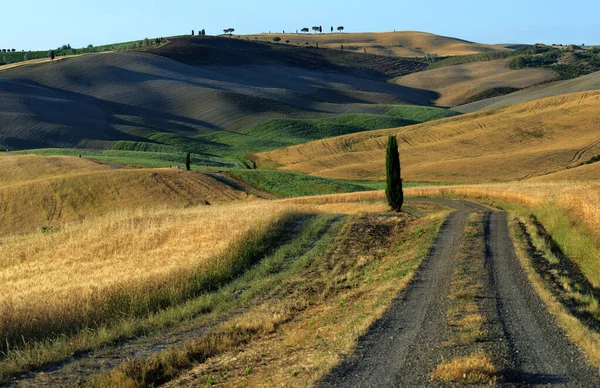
(225,149)
(291,184)
(421,114)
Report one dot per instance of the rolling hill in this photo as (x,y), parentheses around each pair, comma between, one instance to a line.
(517,142)
(39,191)
(401,43)
(581,84)
(585,172)
(457,84)
(92,101)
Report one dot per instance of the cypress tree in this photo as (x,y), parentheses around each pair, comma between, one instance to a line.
(393,189)
(188,162)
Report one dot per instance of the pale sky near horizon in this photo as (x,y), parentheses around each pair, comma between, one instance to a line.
(42,24)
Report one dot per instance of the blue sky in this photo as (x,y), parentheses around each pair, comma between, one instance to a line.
(42,24)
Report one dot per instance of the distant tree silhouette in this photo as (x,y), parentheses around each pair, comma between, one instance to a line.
(276,39)
(90,48)
(315,28)
(331,28)
(13,50)
(393,189)
(188,162)
(192,32)
(321,29)
(51,54)
(340,28)
(305,30)
(203,32)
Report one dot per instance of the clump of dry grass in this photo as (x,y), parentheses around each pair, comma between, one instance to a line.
(127,264)
(473,369)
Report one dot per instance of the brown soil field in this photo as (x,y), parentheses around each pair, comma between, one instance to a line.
(42,192)
(581,84)
(401,43)
(456,84)
(518,142)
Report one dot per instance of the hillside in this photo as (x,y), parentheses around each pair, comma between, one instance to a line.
(457,84)
(39,192)
(586,172)
(92,101)
(516,142)
(401,43)
(581,84)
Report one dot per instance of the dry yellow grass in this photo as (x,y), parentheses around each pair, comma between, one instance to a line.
(51,278)
(587,172)
(49,191)
(516,142)
(401,43)
(474,369)
(456,84)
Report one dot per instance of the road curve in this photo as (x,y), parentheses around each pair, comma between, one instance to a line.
(405,345)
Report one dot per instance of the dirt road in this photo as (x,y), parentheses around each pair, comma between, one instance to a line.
(404,347)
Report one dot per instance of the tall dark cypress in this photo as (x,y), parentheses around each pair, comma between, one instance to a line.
(188,162)
(393,189)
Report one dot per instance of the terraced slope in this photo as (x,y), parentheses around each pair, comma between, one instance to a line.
(39,192)
(517,142)
(401,43)
(581,84)
(456,84)
(94,100)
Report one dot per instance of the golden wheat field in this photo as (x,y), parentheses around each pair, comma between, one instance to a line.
(101,263)
(513,143)
(39,191)
(401,43)
(456,84)
(123,247)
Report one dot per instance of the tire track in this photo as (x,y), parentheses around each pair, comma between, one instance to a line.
(579,154)
(540,353)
